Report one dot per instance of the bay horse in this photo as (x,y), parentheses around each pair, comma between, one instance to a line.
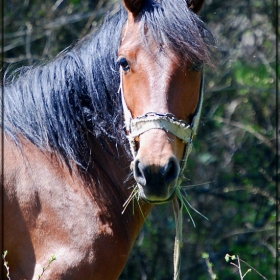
(70,163)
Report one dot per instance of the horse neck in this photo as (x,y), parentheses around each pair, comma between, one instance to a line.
(112,185)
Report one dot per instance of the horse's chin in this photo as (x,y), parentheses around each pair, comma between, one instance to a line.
(154,199)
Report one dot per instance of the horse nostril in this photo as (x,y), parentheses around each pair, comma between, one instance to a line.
(155,180)
(171,171)
(139,173)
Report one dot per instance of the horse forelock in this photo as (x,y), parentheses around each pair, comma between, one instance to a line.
(173,25)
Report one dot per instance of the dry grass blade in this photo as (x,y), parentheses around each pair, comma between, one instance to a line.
(130,198)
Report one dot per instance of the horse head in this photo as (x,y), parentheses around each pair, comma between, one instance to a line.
(161,95)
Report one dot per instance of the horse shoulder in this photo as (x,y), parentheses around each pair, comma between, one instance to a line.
(49,211)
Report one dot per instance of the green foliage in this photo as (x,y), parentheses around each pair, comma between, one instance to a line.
(236,261)
(209,266)
(52,259)
(38,30)
(6,265)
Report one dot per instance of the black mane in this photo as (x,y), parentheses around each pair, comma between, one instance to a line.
(63,105)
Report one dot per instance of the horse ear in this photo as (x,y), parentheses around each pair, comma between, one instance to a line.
(195,5)
(134,6)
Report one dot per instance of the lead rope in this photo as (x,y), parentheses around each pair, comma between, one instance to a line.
(178,214)
(176,203)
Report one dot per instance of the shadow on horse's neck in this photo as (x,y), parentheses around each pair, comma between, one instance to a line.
(111,183)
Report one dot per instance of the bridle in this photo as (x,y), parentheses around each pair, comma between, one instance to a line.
(168,122)
(181,129)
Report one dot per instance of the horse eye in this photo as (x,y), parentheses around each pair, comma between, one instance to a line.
(124,64)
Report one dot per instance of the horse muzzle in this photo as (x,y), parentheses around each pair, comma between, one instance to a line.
(156,184)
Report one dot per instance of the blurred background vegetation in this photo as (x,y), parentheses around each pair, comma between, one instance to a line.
(231,174)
